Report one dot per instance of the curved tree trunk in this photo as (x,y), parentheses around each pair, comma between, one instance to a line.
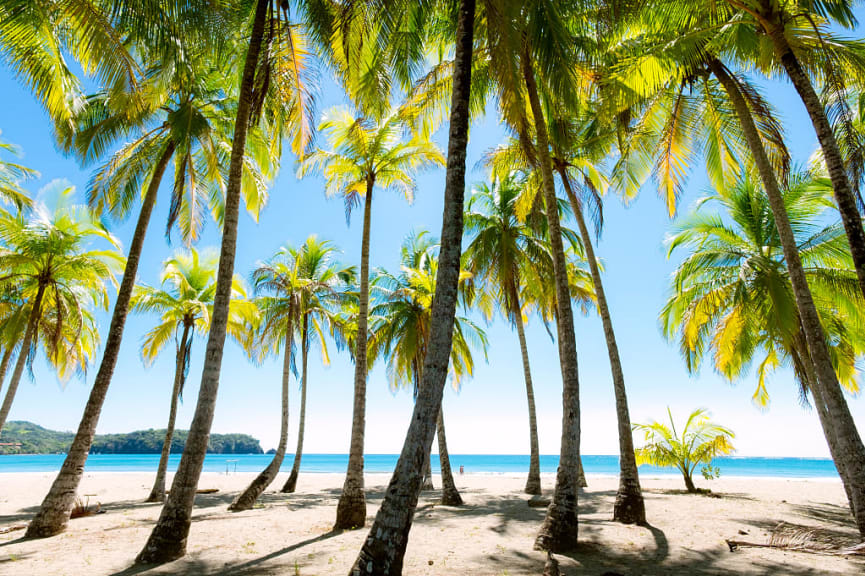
(27,342)
(533,483)
(157,494)
(168,540)
(850,449)
(844,195)
(53,514)
(351,509)
(291,483)
(450,494)
(799,352)
(246,499)
(560,528)
(384,548)
(689,483)
(4,363)
(629,507)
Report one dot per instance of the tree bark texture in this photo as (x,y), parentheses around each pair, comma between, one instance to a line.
(450,494)
(168,540)
(246,499)
(157,494)
(291,483)
(850,449)
(351,509)
(559,531)
(533,483)
(383,550)
(629,507)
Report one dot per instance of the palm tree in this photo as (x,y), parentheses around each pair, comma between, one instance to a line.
(732,297)
(171,124)
(505,253)
(184,304)
(365,154)
(321,297)
(271,86)
(384,548)
(48,257)
(701,442)
(11,177)
(401,333)
(292,278)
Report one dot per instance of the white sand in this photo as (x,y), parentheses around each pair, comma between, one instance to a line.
(491,534)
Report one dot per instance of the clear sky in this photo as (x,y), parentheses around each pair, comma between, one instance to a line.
(489,414)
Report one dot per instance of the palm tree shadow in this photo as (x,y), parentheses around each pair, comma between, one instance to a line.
(248,568)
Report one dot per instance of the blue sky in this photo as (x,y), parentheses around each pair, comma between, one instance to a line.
(488,415)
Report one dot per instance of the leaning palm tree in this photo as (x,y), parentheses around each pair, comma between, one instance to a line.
(364,155)
(700,442)
(321,298)
(732,298)
(272,88)
(384,548)
(184,303)
(49,257)
(401,333)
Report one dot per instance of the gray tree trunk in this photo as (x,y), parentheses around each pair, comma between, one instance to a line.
(560,528)
(850,448)
(157,494)
(450,494)
(291,483)
(246,499)
(351,509)
(4,363)
(168,540)
(629,507)
(533,483)
(427,484)
(383,550)
(844,196)
(53,514)
(27,342)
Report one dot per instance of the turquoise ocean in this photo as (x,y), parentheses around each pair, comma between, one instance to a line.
(471,463)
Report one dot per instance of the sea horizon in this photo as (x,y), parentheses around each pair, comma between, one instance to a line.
(732,466)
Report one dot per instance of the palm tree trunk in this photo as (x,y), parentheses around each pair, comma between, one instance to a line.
(351,509)
(291,483)
(53,514)
(168,540)
(427,485)
(157,494)
(629,507)
(384,548)
(533,483)
(246,499)
(4,363)
(799,352)
(689,483)
(29,336)
(560,528)
(844,196)
(850,448)
(581,474)
(450,494)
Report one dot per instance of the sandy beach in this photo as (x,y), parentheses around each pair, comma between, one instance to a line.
(492,534)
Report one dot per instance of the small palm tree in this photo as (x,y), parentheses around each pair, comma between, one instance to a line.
(294,288)
(403,313)
(321,297)
(49,259)
(701,442)
(184,303)
(11,176)
(364,155)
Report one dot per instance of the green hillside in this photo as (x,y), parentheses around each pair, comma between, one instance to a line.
(35,439)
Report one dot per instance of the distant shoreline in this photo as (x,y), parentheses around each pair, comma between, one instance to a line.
(489,464)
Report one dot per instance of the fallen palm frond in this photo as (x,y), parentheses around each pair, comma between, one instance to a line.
(85,508)
(797,538)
